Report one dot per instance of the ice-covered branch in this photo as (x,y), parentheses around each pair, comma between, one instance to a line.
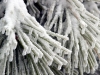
(69,26)
(18,25)
(78,20)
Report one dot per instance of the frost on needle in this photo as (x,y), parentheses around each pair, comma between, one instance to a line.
(32,36)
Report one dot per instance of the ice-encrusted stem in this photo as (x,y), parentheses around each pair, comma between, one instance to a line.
(31,35)
(9,46)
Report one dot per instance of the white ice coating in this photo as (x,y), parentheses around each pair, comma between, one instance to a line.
(31,35)
(81,25)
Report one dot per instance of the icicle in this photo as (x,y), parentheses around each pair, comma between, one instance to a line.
(47,68)
(60,24)
(84,50)
(81,6)
(44,70)
(83,26)
(69,28)
(58,12)
(3,65)
(57,35)
(23,43)
(58,62)
(46,47)
(49,14)
(63,60)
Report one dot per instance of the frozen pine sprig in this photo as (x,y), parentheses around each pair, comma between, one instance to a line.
(75,26)
(18,25)
(75,19)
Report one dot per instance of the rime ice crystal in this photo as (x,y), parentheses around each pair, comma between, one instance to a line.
(75,27)
(18,22)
